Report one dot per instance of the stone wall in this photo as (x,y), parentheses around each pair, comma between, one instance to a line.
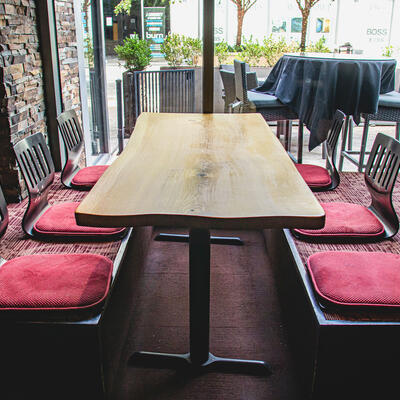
(67,53)
(21,87)
(22,107)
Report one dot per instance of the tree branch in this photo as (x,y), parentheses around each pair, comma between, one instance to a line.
(299,5)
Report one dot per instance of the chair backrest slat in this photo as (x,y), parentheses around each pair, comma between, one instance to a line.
(36,164)
(380,176)
(72,135)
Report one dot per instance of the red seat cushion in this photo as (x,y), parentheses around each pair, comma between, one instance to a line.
(59,220)
(314,175)
(54,282)
(87,177)
(346,220)
(356,278)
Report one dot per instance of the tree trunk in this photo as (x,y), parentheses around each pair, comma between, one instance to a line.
(304,24)
(240,16)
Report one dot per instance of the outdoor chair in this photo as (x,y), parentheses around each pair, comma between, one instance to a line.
(319,178)
(42,219)
(72,176)
(388,110)
(267,105)
(228,82)
(349,221)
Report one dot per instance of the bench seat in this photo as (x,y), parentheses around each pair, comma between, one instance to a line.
(339,349)
(70,351)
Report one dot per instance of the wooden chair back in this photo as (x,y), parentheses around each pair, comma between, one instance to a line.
(36,165)
(72,135)
(331,145)
(380,176)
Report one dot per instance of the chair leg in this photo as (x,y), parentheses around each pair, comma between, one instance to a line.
(280,128)
(397,134)
(300,143)
(287,133)
(363,144)
(349,121)
(343,144)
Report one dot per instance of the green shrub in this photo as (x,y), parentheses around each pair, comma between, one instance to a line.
(388,51)
(319,46)
(191,50)
(135,52)
(172,49)
(221,51)
(273,49)
(252,51)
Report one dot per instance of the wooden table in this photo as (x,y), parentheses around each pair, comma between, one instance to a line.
(202,172)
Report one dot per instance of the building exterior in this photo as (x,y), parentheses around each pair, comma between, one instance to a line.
(369,25)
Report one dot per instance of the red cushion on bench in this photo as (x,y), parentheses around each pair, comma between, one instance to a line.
(88,176)
(54,282)
(314,175)
(346,220)
(59,220)
(356,278)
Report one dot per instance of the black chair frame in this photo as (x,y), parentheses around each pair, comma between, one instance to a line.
(36,164)
(71,133)
(330,151)
(380,176)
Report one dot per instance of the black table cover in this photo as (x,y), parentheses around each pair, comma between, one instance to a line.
(314,86)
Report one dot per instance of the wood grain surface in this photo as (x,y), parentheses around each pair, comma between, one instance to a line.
(202,171)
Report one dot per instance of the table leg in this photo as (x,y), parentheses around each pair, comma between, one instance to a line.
(176,237)
(199,359)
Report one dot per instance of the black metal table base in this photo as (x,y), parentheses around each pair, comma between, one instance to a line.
(176,237)
(199,359)
(182,361)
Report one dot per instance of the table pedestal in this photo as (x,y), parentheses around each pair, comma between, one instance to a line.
(199,359)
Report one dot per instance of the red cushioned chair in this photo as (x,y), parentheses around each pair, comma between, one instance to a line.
(41,219)
(319,178)
(345,221)
(356,279)
(72,176)
(66,283)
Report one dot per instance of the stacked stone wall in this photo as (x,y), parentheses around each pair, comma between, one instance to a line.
(22,106)
(68,54)
(21,87)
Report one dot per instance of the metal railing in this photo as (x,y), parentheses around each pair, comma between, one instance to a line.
(164,91)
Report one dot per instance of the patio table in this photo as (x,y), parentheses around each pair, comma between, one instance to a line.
(315,85)
(202,172)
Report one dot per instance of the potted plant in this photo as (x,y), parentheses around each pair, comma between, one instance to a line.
(136,55)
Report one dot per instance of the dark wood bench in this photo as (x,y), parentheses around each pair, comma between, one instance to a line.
(340,354)
(60,358)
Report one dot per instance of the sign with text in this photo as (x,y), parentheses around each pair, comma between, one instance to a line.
(154,28)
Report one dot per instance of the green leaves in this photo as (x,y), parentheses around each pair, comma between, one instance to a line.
(179,49)
(135,52)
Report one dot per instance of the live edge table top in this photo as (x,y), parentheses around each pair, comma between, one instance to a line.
(213,171)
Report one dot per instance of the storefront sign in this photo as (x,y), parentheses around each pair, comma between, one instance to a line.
(154,28)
